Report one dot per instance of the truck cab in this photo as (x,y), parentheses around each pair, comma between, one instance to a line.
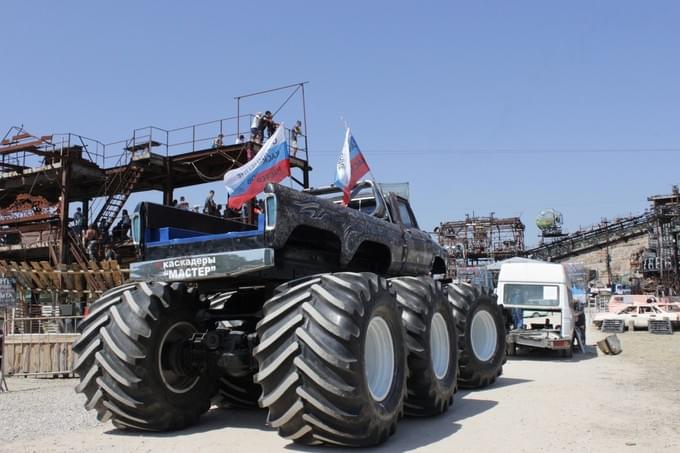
(539,294)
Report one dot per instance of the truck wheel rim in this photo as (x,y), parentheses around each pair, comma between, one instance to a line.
(439,346)
(483,335)
(168,358)
(379,358)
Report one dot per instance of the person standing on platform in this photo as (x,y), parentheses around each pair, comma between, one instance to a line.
(294,134)
(255,127)
(268,123)
(219,141)
(78,221)
(210,207)
(183,203)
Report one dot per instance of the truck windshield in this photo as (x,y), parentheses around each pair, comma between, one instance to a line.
(534,295)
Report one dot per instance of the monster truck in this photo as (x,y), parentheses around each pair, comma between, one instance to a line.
(332,318)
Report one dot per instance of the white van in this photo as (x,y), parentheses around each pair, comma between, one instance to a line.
(536,297)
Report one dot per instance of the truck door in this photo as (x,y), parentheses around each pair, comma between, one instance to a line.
(418,251)
(567,312)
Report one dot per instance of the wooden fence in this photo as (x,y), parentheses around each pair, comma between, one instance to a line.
(38,340)
(39,354)
(40,276)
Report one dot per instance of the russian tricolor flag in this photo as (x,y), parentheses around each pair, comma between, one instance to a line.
(351,167)
(270,164)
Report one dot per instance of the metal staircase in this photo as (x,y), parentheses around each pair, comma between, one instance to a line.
(80,255)
(119,187)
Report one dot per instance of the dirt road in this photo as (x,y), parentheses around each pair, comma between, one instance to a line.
(541,403)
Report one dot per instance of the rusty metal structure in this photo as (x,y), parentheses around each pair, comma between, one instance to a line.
(657,266)
(44,178)
(662,261)
(602,235)
(477,241)
(41,176)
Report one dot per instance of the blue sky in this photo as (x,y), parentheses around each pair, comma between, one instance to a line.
(500,106)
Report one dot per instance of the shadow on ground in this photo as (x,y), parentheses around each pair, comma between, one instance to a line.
(546,355)
(411,432)
(500,382)
(414,433)
(215,419)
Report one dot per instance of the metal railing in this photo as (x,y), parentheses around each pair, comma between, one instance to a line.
(58,145)
(166,142)
(202,136)
(40,346)
(55,325)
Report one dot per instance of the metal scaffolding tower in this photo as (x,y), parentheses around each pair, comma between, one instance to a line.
(477,240)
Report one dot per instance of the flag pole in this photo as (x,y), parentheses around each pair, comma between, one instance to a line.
(344,169)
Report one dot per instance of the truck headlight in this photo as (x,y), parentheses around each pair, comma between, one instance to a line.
(270,211)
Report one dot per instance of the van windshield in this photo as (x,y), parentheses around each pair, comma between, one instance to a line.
(534,295)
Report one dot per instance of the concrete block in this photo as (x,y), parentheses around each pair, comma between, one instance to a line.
(611,345)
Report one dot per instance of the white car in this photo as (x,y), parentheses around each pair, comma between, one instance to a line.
(639,314)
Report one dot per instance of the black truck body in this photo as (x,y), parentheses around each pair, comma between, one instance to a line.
(298,234)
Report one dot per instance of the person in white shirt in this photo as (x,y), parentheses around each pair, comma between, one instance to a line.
(295,132)
(255,128)
(241,139)
(183,203)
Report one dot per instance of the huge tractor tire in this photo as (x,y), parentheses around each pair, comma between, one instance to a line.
(238,392)
(481,335)
(332,360)
(433,345)
(129,358)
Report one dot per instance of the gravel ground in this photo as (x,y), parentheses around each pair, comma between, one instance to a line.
(42,407)
(592,403)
